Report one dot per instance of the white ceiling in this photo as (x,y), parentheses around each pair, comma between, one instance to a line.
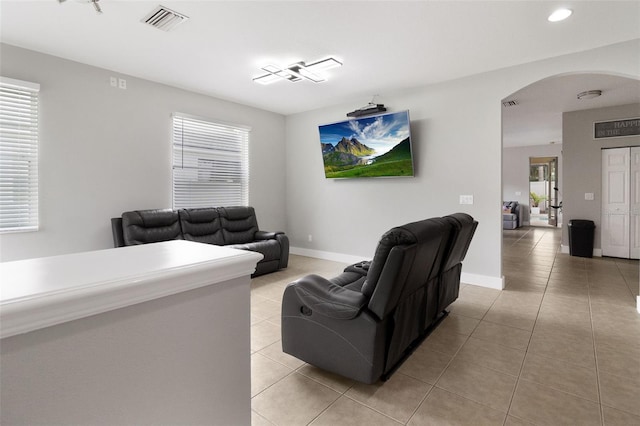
(537,119)
(386,46)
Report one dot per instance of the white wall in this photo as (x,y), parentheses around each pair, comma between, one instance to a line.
(515,172)
(456,130)
(105,150)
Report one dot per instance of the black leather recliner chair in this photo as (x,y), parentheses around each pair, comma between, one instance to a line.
(363,323)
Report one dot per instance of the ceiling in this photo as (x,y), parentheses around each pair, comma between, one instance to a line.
(385,46)
(537,118)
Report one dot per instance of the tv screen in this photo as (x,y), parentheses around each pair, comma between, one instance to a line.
(373,146)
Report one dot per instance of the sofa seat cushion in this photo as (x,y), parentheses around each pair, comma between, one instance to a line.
(509,216)
(270,249)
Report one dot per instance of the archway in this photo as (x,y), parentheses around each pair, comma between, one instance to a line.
(546,118)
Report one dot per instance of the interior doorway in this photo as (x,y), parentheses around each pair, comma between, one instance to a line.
(544,206)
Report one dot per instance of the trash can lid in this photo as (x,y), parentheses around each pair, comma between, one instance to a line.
(581,223)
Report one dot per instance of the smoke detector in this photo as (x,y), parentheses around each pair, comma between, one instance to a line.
(164,18)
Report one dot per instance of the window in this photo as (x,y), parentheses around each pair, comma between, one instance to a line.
(210,163)
(18,155)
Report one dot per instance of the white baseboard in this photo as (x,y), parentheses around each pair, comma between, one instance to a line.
(327,255)
(474,279)
(596,251)
(483,280)
(638,303)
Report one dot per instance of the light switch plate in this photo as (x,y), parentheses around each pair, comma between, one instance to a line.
(588,196)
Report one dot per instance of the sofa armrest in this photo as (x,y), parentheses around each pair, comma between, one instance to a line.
(266,235)
(361,268)
(116,230)
(328,299)
(282,238)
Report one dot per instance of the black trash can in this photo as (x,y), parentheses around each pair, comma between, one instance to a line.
(581,237)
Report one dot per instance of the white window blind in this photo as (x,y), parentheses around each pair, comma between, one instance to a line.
(18,155)
(210,163)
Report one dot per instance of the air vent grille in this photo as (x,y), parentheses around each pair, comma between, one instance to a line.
(164,18)
(508,104)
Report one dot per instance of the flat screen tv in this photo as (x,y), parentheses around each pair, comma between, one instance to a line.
(373,146)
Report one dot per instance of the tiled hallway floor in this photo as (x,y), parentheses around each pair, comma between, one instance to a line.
(559,346)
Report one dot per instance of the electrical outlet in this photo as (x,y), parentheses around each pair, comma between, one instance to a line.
(310,238)
(114,82)
(466,199)
(122,83)
(588,196)
(518,193)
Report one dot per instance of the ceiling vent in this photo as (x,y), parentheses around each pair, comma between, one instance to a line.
(508,104)
(164,18)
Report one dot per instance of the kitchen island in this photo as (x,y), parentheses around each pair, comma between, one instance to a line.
(149,334)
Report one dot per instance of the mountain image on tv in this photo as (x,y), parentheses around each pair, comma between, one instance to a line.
(372,146)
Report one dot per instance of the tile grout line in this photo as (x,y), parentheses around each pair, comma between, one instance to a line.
(515,388)
(595,352)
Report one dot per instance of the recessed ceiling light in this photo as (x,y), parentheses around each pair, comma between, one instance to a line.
(589,94)
(559,15)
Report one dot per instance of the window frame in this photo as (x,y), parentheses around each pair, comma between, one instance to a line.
(210,162)
(19,155)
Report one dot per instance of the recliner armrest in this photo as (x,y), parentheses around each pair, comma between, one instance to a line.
(325,298)
(266,235)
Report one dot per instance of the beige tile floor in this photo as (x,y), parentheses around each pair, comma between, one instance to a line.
(559,346)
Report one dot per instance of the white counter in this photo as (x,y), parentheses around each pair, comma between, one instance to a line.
(156,333)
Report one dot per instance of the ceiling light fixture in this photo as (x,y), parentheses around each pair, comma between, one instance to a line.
(96,6)
(589,94)
(560,15)
(313,72)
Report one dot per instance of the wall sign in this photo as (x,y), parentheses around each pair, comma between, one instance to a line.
(616,128)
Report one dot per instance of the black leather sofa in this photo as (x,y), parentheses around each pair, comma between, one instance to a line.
(363,323)
(235,227)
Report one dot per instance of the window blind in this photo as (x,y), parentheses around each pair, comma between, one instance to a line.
(18,155)
(210,163)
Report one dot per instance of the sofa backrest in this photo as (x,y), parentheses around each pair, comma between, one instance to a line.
(150,226)
(213,225)
(202,225)
(464,226)
(407,290)
(239,224)
(406,260)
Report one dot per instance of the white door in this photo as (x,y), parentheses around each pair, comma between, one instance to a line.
(634,200)
(615,202)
